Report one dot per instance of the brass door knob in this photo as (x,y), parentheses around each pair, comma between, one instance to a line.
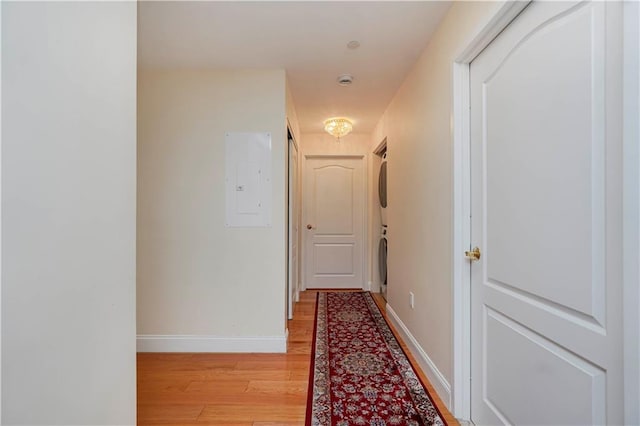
(309,226)
(473,255)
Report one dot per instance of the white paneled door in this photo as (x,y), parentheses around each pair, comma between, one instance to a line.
(333,193)
(546,217)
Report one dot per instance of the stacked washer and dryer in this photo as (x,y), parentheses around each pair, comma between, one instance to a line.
(382,246)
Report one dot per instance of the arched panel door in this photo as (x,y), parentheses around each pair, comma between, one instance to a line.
(546,156)
(333,193)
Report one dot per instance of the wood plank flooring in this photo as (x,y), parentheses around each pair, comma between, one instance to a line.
(236,389)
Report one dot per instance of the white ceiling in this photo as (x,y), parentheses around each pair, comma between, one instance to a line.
(308,39)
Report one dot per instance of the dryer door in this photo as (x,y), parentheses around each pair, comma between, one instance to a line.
(382,185)
(382,260)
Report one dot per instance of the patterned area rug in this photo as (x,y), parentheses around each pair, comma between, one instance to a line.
(359,374)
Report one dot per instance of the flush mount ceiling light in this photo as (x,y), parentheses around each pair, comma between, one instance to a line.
(345,79)
(353,44)
(338,126)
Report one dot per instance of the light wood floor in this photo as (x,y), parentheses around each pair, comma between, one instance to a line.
(236,389)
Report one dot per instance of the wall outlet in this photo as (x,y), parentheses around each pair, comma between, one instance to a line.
(411,299)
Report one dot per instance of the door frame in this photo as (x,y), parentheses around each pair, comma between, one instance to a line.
(365,214)
(505,12)
(631,210)
(461,392)
(293,283)
(0,223)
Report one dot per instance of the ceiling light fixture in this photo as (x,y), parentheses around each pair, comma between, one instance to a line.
(353,44)
(338,126)
(345,79)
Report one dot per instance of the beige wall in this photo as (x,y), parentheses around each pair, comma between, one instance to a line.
(325,144)
(68,213)
(418,128)
(195,276)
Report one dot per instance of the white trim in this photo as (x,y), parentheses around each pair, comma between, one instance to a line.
(631,211)
(192,343)
(461,242)
(293,136)
(436,378)
(293,290)
(382,146)
(296,283)
(505,13)
(366,259)
(0,219)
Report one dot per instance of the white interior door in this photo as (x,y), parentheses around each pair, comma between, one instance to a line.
(293,293)
(333,210)
(546,215)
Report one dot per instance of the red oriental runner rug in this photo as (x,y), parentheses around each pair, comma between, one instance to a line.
(359,374)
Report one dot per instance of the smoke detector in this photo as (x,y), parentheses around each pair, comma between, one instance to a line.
(345,79)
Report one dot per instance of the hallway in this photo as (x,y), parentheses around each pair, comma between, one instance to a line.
(239,389)
(154,228)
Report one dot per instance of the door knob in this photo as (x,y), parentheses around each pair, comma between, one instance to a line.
(473,255)
(309,226)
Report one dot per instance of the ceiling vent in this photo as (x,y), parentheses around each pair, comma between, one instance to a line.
(345,79)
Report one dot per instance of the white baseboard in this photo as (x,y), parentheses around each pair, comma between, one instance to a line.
(368,286)
(188,343)
(437,379)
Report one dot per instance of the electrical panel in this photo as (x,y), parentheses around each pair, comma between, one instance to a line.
(248,179)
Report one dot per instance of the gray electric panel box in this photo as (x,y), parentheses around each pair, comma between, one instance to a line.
(248,179)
